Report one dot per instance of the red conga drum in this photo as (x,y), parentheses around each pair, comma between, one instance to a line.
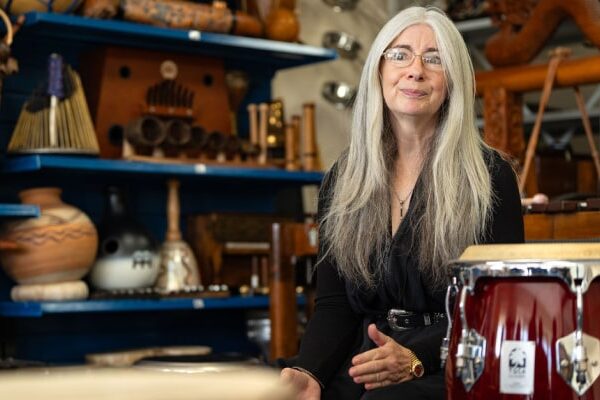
(525,323)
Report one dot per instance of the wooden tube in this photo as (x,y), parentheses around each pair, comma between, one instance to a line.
(215,144)
(146,131)
(290,148)
(309,148)
(253,122)
(263,110)
(295,122)
(178,132)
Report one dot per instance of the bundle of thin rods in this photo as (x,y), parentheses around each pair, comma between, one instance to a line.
(56,123)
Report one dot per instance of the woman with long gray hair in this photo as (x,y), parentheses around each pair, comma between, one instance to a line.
(415,187)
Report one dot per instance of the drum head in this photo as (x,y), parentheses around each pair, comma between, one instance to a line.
(88,383)
(587,251)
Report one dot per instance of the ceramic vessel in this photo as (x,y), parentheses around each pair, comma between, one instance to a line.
(282,24)
(127,252)
(22,6)
(58,246)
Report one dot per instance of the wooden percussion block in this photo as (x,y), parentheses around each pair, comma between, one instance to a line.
(117,81)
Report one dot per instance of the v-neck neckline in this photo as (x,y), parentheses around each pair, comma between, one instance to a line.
(402,225)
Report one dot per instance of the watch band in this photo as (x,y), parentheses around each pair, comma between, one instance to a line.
(416,366)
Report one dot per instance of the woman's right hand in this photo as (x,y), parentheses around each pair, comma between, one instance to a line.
(307,388)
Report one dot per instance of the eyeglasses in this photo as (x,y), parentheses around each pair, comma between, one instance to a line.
(403,57)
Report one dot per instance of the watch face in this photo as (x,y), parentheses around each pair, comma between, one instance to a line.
(418,370)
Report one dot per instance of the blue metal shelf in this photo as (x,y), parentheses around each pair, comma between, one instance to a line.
(38,309)
(123,33)
(34,163)
(19,210)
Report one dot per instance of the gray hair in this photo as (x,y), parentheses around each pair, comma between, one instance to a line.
(355,225)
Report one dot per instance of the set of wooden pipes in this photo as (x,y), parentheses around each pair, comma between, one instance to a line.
(300,137)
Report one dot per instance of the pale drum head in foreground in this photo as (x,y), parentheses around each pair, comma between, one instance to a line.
(127,384)
(533,251)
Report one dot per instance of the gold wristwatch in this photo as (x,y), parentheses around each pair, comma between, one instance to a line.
(416,366)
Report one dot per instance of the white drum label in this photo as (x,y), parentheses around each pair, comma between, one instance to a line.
(517,367)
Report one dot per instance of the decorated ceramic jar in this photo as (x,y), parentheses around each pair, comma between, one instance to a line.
(58,246)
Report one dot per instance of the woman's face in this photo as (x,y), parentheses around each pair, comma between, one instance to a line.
(418,89)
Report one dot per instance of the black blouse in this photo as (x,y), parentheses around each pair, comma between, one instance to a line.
(337,329)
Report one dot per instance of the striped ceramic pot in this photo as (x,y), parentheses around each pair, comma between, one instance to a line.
(58,246)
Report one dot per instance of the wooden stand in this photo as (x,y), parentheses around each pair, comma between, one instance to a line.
(503,88)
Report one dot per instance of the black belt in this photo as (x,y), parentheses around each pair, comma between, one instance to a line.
(402,320)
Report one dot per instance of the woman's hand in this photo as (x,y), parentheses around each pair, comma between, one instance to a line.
(387,364)
(306,386)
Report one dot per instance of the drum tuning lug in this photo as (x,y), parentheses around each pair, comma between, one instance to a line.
(578,360)
(469,358)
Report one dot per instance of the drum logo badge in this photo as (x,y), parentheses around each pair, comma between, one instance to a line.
(517,361)
(517,367)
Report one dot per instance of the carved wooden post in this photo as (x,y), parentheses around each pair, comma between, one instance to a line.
(287,240)
(282,294)
(503,126)
(503,120)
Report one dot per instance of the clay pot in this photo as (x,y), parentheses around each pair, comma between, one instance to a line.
(58,246)
(282,24)
(22,6)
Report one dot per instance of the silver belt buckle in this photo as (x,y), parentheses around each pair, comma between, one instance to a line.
(392,318)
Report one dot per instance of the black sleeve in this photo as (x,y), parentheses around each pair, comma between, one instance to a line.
(333,327)
(506,225)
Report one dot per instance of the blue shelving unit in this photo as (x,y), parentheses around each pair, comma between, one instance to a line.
(64,331)
(97,31)
(33,163)
(19,211)
(38,309)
